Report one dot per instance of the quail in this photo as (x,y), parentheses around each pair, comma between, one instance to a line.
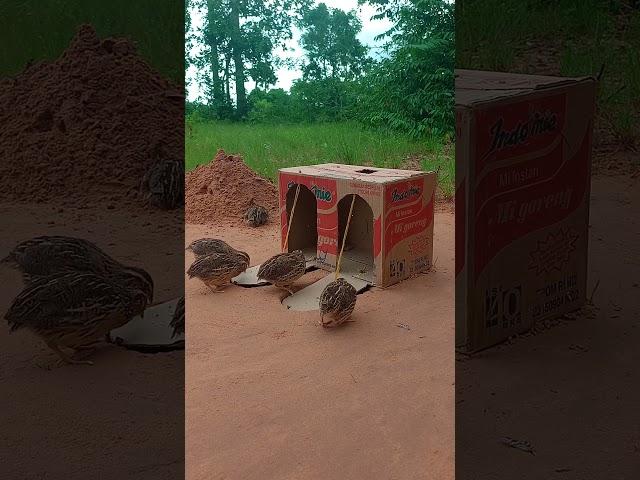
(74,310)
(256,216)
(337,301)
(217,269)
(283,269)
(207,246)
(43,256)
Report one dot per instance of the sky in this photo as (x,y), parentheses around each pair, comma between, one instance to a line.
(370,29)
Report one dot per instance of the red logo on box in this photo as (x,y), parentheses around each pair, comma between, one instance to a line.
(507,131)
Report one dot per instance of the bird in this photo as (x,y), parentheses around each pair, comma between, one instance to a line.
(43,256)
(206,246)
(283,269)
(46,255)
(74,310)
(256,216)
(177,322)
(337,301)
(164,184)
(217,269)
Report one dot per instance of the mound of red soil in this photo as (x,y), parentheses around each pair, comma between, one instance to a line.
(85,126)
(224,189)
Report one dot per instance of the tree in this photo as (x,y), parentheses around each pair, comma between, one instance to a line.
(412,88)
(331,45)
(241,37)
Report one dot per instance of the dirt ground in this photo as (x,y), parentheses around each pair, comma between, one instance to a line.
(571,391)
(271,395)
(114,419)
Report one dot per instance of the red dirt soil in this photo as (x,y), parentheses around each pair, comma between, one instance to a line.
(92,117)
(224,189)
(123,416)
(570,389)
(272,395)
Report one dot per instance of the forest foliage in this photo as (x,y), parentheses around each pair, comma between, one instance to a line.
(407,86)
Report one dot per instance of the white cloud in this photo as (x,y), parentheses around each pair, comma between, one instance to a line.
(370,29)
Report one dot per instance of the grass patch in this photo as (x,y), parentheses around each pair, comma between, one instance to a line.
(267,148)
(42,29)
(492,34)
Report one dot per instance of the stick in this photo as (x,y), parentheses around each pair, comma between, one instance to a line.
(344,237)
(290,220)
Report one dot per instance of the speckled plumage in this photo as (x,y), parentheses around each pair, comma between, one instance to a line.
(206,246)
(283,269)
(164,184)
(47,255)
(74,310)
(218,269)
(177,322)
(256,216)
(337,301)
(44,256)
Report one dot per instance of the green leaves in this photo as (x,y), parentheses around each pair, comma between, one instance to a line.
(412,89)
(331,47)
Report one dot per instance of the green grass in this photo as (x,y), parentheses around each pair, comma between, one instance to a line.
(42,29)
(493,34)
(266,148)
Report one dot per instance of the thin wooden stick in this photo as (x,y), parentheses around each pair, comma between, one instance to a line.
(344,237)
(290,220)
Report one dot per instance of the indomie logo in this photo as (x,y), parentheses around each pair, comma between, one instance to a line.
(321,194)
(410,192)
(537,124)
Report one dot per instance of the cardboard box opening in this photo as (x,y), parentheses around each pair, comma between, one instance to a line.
(390,235)
(358,250)
(304,228)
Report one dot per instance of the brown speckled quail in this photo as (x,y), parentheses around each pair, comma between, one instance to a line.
(217,269)
(51,254)
(337,301)
(283,269)
(43,256)
(164,184)
(256,216)
(207,246)
(74,310)
(177,322)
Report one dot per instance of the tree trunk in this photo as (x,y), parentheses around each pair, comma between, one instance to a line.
(217,91)
(227,79)
(237,47)
(216,82)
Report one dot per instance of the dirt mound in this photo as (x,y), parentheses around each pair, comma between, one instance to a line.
(90,119)
(224,189)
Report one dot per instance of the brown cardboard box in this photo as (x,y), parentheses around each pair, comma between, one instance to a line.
(390,236)
(523,163)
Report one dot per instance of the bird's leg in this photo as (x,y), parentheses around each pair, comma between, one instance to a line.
(66,358)
(214,287)
(83,352)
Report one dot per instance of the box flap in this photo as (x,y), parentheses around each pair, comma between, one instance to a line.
(354,172)
(474,86)
(153,333)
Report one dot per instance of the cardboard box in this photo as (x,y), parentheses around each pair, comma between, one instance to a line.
(523,168)
(390,236)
